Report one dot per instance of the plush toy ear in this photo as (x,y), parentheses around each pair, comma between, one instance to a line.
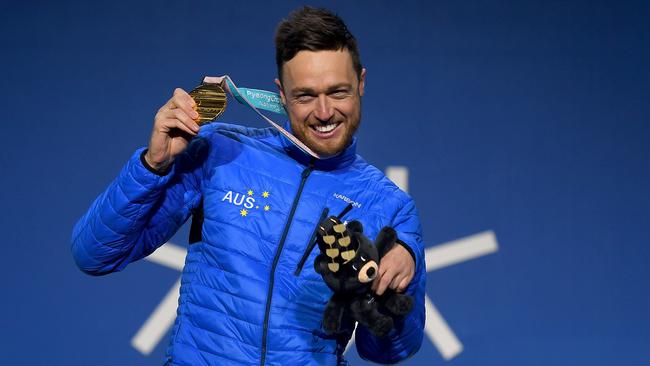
(355,226)
(385,240)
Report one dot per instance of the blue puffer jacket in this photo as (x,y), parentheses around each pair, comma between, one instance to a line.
(241,301)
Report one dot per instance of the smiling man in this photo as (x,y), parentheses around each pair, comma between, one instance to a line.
(322,93)
(256,198)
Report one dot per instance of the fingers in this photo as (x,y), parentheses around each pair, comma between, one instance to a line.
(395,281)
(182,126)
(175,125)
(382,281)
(181,108)
(403,285)
(181,99)
(174,119)
(185,120)
(396,270)
(394,284)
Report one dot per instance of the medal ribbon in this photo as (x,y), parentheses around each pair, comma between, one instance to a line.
(259,99)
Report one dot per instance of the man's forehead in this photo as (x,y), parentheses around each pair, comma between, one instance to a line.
(319,69)
(325,88)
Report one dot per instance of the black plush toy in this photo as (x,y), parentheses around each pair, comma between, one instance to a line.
(348,262)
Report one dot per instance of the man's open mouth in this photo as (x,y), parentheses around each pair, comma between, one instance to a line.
(325,128)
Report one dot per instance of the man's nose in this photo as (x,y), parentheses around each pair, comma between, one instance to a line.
(324,110)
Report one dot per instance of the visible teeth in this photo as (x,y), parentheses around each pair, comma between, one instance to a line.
(326,128)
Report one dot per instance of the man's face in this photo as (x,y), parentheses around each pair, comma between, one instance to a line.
(322,95)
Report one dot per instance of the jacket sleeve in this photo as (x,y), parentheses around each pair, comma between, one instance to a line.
(406,338)
(139,211)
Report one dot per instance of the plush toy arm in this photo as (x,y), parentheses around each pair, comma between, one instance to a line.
(320,264)
(395,303)
(385,240)
(331,280)
(405,339)
(364,310)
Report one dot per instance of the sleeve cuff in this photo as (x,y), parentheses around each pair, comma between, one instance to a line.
(161,173)
(410,250)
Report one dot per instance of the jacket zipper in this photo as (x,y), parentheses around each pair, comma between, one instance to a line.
(311,243)
(304,175)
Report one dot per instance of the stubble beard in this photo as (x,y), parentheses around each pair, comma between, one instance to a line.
(325,150)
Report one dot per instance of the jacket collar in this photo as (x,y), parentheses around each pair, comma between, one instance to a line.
(338,161)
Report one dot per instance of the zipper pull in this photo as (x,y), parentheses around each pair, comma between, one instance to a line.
(345,211)
(311,243)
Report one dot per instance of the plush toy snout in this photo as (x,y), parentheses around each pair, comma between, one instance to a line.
(368,272)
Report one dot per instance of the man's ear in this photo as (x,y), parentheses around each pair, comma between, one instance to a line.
(362,82)
(281,91)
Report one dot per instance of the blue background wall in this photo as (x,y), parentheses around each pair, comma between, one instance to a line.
(530,119)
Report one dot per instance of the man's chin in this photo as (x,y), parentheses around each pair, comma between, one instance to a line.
(328,151)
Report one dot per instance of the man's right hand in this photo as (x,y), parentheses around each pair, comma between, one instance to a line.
(174,126)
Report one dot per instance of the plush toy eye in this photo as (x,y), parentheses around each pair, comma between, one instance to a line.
(368,272)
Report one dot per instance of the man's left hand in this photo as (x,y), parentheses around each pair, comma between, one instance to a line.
(396,270)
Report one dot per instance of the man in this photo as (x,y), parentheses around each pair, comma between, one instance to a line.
(243,299)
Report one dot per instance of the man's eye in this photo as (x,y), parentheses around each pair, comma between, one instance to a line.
(303,98)
(340,94)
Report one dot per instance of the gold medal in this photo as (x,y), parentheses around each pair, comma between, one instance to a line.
(210,101)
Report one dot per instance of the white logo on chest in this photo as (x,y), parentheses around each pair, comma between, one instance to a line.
(347,200)
(239,199)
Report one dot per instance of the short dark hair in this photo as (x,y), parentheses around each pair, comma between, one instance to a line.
(313,29)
